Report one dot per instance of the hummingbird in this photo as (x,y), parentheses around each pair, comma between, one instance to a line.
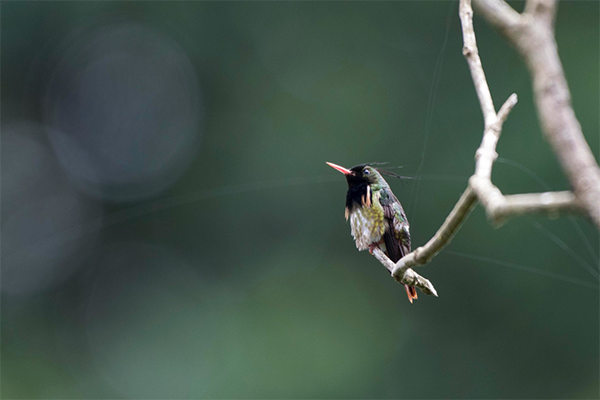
(376,216)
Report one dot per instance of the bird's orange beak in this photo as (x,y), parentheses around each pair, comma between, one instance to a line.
(339,168)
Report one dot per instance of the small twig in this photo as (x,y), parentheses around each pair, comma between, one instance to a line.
(471,53)
(410,277)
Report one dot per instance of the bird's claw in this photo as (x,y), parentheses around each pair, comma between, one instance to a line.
(373,247)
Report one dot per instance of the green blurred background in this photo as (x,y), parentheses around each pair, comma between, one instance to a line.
(170,228)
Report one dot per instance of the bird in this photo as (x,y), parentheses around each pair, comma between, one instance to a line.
(376,215)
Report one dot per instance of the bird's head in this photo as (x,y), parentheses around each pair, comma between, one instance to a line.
(360,174)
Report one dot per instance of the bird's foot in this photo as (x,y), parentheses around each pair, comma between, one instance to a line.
(372,247)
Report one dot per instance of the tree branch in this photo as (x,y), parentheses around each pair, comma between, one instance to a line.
(471,53)
(498,207)
(410,277)
(534,39)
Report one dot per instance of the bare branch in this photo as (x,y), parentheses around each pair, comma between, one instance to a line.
(486,153)
(471,53)
(535,41)
(410,277)
(498,207)
(551,203)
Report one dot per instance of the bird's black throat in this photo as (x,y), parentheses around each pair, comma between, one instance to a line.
(355,195)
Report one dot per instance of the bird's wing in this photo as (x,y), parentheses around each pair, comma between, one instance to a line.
(397,234)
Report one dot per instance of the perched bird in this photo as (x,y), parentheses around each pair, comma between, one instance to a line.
(376,216)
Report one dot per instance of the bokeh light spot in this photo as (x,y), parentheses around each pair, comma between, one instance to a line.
(44,235)
(124,111)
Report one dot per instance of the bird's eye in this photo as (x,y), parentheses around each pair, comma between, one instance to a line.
(366,172)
